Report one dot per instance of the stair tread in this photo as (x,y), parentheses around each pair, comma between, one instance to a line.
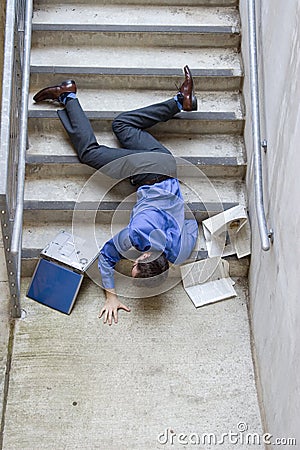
(38,205)
(229,166)
(50,113)
(127,99)
(76,36)
(237,267)
(52,141)
(63,187)
(31,254)
(165,72)
(72,160)
(144,28)
(135,14)
(139,57)
(215,3)
(192,123)
(38,236)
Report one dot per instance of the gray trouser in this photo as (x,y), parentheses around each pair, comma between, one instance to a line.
(142,155)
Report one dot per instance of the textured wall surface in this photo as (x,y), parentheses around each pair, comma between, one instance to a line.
(274,275)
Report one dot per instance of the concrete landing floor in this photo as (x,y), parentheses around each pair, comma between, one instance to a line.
(76,383)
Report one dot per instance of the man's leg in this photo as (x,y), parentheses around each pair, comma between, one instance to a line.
(157,160)
(129,127)
(85,143)
(121,163)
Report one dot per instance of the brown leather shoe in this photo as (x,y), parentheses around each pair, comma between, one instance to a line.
(189,100)
(53,92)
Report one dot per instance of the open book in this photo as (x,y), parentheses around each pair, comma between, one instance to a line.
(207,281)
(228,233)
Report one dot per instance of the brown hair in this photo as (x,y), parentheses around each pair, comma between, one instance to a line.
(152,271)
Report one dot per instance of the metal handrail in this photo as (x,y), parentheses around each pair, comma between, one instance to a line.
(13,137)
(16,242)
(7,93)
(265,234)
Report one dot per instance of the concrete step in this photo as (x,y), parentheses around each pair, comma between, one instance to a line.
(48,139)
(160,78)
(194,123)
(135,56)
(142,14)
(209,165)
(45,185)
(47,211)
(204,122)
(216,155)
(74,35)
(118,100)
(52,197)
(30,257)
(37,235)
(215,3)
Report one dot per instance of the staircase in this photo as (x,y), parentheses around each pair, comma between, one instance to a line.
(124,56)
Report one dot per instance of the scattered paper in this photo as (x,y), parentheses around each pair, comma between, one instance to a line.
(207,281)
(228,233)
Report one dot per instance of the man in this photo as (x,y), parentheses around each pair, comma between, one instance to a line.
(157,231)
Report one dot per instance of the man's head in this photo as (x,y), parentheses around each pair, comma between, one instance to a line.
(150,269)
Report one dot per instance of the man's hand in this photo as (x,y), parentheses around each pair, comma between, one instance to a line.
(111,307)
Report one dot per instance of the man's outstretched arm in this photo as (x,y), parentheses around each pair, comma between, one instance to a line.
(110,254)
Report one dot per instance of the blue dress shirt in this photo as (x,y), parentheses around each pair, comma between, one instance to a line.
(157,223)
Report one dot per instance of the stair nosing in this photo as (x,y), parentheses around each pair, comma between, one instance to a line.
(176,29)
(110,115)
(68,205)
(133,71)
(31,253)
(37,159)
(34,252)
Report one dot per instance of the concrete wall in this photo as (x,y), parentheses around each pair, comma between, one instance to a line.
(275,275)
